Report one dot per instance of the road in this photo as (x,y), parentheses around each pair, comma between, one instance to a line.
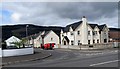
(75,58)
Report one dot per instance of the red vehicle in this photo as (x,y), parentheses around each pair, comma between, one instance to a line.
(48,46)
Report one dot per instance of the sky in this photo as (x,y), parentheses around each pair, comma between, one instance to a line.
(58,13)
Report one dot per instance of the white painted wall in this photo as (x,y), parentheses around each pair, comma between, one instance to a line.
(90,37)
(0,52)
(96,37)
(51,34)
(84,31)
(17,52)
(84,37)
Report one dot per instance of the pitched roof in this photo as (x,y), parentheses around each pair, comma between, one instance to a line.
(101,27)
(13,39)
(33,36)
(74,26)
(46,32)
(93,25)
(66,39)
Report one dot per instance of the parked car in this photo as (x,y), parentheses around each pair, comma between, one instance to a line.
(12,47)
(48,46)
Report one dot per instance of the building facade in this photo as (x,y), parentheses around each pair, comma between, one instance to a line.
(84,33)
(44,37)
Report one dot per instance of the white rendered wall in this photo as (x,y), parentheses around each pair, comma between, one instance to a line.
(0,52)
(17,52)
(84,31)
(55,38)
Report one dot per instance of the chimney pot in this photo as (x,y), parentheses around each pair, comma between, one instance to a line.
(84,17)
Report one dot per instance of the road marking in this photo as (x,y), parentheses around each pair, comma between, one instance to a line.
(104,63)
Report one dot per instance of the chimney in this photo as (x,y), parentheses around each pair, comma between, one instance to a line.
(84,19)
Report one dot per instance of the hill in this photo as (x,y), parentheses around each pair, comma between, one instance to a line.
(20,30)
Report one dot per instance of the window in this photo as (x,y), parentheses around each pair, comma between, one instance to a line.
(93,41)
(105,40)
(78,32)
(78,42)
(88,41)
(72,43)
(97,40)
(71,33)
(88,32)
(64,42)
(95,32)
(51,39)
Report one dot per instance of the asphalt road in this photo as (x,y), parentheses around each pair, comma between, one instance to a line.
(75,58)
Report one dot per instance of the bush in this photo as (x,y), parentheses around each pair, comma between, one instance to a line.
(4,46)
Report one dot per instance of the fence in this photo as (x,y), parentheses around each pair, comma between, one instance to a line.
(93,46)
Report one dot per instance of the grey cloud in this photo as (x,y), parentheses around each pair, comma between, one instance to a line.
(59,13)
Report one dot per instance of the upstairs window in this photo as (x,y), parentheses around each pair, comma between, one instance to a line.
(71,33)
(51,39)
(78,32)
(95,32)
(88,32)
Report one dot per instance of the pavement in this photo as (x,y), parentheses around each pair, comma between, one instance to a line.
(25,58)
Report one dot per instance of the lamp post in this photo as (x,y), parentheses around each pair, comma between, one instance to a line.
(26,30)
(27,33)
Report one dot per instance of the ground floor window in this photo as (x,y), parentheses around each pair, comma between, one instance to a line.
(72,42)
(93,41)
(88,41)
(64,42)
(105,40)
(97,40)
(78,42)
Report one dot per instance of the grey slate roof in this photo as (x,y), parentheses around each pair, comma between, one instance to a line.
(93,25)
(101,26)
(76,24)
(46,32)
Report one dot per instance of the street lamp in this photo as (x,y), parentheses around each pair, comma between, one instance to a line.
(27,33)
(26,30)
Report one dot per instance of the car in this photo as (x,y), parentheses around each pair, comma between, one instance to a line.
(48,46)
(12,47)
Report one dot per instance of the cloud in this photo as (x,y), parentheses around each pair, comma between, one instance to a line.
(62,13)
(16,17)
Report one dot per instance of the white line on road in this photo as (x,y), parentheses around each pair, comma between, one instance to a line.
(104,63)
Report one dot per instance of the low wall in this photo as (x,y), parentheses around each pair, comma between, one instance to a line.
(0,52)
(94,46)
(17,52)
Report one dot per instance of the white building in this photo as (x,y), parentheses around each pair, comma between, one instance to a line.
(84,33)
(12,39)
(44,37)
